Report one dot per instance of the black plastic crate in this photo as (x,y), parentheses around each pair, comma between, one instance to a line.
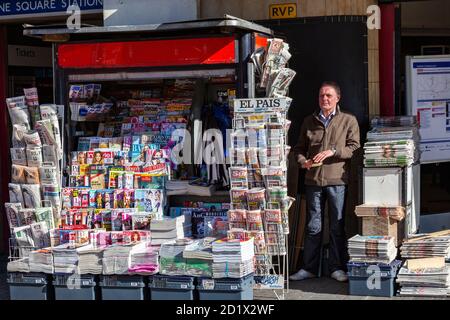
(75,287)
(164,287)
(29,286)
(226,288)
(123,287)
(380,281)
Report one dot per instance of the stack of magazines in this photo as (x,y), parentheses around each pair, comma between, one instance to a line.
(392,142)
(41,261)
(171,257)
(372,249)
(429,281)
(65,259)
(90,259)
(199,258)
(19,265)
(426,247)
(233,258)
(115,259)
(169,229)
(143,260)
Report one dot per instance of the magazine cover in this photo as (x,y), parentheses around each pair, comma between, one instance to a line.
(239,177)
(128,199)
(256,199)
(127,222)
(197,223)
(116,237)
(108,199)
(141,220)
(116,220)
(149,200)
(239,198)
(254,220)
(106,219)
(149,181)
(97,177)
(215,224)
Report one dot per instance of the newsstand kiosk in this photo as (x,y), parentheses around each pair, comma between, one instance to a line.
(149,62)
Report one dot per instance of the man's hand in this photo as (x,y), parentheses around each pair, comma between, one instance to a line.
(322,156)
(307,164)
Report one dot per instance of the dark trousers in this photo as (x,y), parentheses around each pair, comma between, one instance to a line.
(315,208)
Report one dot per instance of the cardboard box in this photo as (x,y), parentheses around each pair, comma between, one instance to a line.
(384,226)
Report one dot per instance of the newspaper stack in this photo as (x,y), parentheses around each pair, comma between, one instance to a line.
(169,229)
(41,261)
(397,153)
(372,249)
(143,260)
(426,247)
(199,258)
(19,265)
(65,259)
(115,259)
(392,141)
(233,258)
(432,280)
(172,261)
(177,187)
(367,210)
(90,259)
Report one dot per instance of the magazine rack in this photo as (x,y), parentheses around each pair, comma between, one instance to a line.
(258,160)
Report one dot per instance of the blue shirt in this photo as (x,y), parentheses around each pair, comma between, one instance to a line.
(326,120)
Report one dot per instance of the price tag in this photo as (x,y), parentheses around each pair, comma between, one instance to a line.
(184,286)
(208,284)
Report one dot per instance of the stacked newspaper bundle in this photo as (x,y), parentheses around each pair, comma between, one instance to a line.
(90,259)
(372,249)
(19,265)
(398,153)
(233,258)
(177,187)
(41,261)
(115,259)
(171,257)
(426,247)
(367,210)
(169,229)
(425,277)
(143,260)
(199,258)
(65,259)
(392,141)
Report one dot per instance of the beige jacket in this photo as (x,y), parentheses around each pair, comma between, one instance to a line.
(342,134)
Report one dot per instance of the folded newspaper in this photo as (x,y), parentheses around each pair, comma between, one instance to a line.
(372,249)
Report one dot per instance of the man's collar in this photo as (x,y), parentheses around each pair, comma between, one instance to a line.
(330,115)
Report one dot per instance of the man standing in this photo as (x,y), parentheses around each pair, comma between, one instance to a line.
(327,141)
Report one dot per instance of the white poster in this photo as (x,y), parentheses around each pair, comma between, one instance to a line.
(428,92)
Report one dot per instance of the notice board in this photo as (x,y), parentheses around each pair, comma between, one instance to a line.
(428,97)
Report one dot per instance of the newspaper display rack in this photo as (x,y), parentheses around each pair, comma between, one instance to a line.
(258,186)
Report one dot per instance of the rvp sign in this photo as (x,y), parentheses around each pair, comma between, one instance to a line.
(283,11)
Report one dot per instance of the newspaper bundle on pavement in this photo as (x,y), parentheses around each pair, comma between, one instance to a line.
(372,249)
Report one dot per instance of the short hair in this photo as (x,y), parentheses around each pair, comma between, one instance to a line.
(332,84)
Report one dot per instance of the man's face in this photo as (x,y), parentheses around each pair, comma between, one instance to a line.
(328,98)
